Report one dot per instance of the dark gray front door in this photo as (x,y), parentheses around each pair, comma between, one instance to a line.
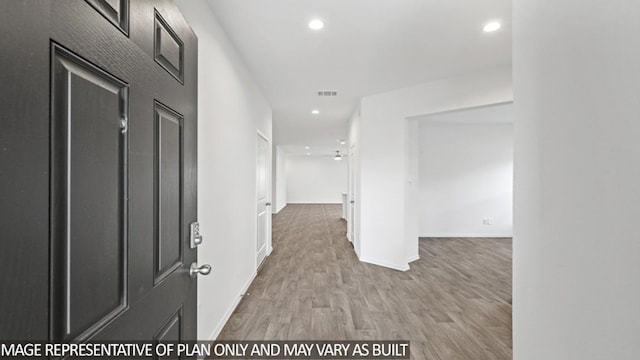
(97,171)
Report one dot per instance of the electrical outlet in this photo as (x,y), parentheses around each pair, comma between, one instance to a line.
(487,221)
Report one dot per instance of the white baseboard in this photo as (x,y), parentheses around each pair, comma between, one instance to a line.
(414,258)
(468,235)
(314,203)
(231,309)
(276,210)
(386,264)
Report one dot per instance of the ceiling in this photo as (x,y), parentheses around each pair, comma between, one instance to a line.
(366,47)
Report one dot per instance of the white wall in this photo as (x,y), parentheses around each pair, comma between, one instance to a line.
(577,180)
(316,180)
(279,180)
(466,176)
(231,108)
(411,190)
(382,140)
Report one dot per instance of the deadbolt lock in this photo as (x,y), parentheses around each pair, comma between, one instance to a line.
(194,235)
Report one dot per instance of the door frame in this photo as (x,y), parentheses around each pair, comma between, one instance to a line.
(268,244)
(352,220)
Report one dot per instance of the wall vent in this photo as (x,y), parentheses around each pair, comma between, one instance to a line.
(327,93)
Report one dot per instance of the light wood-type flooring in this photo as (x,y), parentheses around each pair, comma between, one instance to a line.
(454,303)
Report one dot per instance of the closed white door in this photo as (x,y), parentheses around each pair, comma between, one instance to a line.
(262,169)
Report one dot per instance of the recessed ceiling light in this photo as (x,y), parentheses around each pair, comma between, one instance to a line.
(315,111)
(342,141)
(492,26)
(308,154)
(316,24)
(306,148)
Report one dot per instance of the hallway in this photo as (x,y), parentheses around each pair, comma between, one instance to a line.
(454,303)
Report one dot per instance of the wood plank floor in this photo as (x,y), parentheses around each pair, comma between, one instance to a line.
(454,303)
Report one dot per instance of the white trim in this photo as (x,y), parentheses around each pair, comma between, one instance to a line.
(263,250)
(276,211)
(467,235)
(414,258)
(353,225)
(404,267)
(269,196)
(263,136)
(231,309)
(469,108)
(314,203)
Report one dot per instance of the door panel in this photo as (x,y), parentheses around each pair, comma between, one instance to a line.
(168,161)
(116,11)
(172,329)
(168,48)
(88,227)
(99,147)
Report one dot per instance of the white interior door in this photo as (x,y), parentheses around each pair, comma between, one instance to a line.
(353,180)
(262,172)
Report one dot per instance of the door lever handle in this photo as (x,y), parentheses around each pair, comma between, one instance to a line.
(203,270)
(267,204)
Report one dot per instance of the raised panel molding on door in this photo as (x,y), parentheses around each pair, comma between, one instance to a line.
(171,330)
(116,11)
(168,165)
(88,227)
(168,48)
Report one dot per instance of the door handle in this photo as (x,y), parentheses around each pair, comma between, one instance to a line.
(203,270)
(267,204)
(352,201)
